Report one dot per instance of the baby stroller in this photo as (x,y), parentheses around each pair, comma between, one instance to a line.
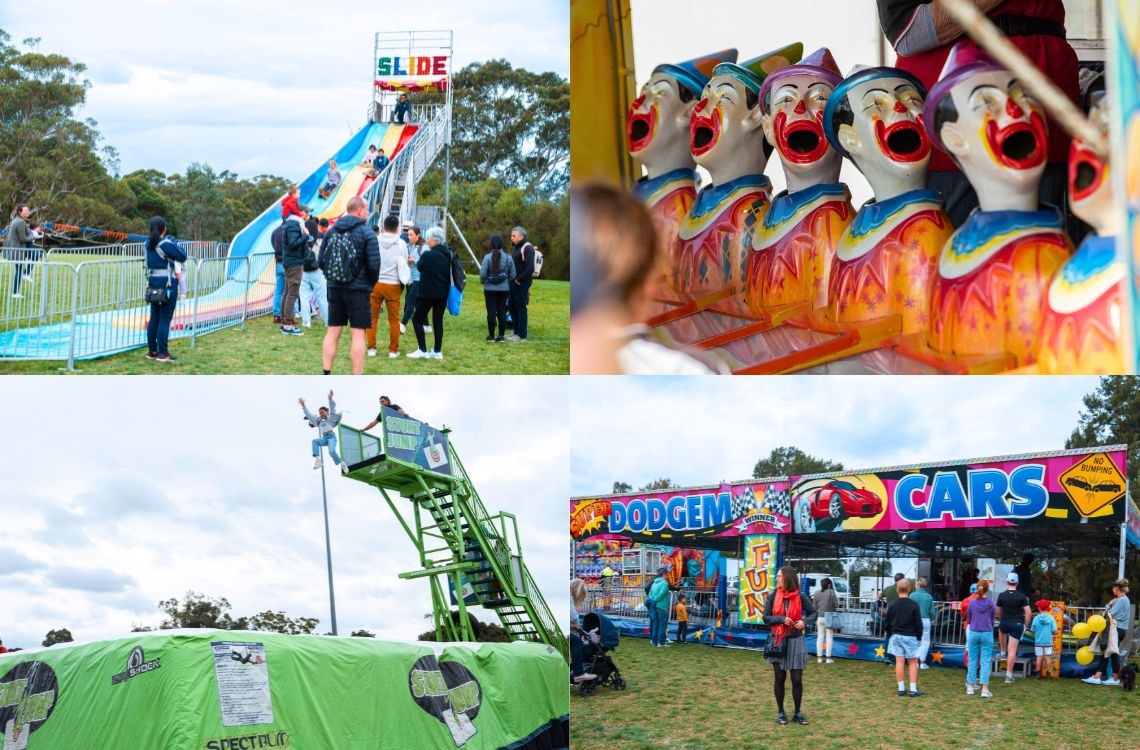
(603,639)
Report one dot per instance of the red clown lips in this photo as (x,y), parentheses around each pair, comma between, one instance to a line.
(903,141)
(640,126)
(704,130)
(800,141)
(1086,171)
(1019,145)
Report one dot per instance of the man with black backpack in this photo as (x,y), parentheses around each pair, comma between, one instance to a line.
(523,257)
(350,259)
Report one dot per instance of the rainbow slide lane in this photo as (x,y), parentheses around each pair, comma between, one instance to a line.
(113,331)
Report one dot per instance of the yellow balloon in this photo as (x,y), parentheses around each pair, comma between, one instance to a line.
(1097,623)
(1082,630)
(1084,656)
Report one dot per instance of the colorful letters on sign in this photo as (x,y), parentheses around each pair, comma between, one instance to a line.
(434,65)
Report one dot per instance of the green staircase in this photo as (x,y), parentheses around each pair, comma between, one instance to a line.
(458,541)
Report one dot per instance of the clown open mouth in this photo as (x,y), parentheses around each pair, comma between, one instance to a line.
(640,128)
(800,141)
(1019,145)
(1086,172)
(903,141)
(703,134)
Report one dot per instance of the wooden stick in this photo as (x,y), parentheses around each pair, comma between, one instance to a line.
(1055,102)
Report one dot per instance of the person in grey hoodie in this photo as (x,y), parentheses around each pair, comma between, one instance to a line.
(16,243)
(496,273)
(389,287)
(326,420)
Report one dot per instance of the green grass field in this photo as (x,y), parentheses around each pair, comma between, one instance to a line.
(695,697)
(261,349)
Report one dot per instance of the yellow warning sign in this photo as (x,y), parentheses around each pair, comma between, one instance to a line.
(1093,484)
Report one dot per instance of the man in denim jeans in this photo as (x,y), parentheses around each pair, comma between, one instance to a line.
(326,421)
(523,256)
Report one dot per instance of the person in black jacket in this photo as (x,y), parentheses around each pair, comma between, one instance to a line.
(904,631)
(348,301)
(162,252)
(523,257)
(790,613)
(277,240)
(294,245)
(435,282)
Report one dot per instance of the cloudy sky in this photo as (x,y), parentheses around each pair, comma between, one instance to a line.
(259,86)
(124,492)
(704,431)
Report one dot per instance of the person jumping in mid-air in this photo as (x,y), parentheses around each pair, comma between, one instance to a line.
(326,421)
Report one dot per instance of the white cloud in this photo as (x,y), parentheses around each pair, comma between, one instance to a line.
(206,484)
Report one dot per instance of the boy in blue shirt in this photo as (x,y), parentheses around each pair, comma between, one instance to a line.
(1044,626)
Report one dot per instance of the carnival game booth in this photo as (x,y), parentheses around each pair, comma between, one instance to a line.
(952,517)
(235,690)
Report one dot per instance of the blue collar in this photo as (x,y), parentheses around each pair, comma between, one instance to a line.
(711,198)
(875,214)
(645,188)
(983,227)
(785,205)
(1094,256)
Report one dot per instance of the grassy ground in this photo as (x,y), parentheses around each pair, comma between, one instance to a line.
(262,350)
(695,697)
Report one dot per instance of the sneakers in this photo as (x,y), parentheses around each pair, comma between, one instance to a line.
(403,328)
(1008,678)
(343,468)
(308,324)
(393,355)
(1092,681)
(902,693)
(371,352)
(1109,681)
(781,718)
(585,677)
(427,329)
(17,295)
(969,689)
(151,355)
(317,463)
(513,337)
(916,693)
(986,692)
(419,354)
(165,358)
(828,661)
(292,331)
(819,660)
(500,340)
(799,718)
(924,666)
(490,339)
(435,355)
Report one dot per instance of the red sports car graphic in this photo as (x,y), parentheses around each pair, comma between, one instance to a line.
(823,508)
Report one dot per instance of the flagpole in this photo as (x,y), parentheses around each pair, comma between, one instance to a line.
(328,547)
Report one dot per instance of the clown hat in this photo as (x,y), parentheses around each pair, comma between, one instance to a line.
(753,72)
(859,74)
(965,59)
(695,73)
(819,63)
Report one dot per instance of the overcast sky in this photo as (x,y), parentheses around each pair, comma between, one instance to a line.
(640,429)
(259,86)
(121,492)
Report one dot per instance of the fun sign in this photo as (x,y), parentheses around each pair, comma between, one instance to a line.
(424,65)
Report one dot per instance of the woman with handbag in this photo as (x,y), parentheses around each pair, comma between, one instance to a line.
(1118,613)
(826,603)
(496,272)
(789,613)
(162,252)
(435,284)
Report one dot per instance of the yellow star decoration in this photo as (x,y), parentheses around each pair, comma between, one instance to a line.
(880,652)
(936,657)
(697,635)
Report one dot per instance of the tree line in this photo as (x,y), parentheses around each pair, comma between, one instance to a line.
(510,160)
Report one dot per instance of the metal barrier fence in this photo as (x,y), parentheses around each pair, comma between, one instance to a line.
(63,311)
(858,620)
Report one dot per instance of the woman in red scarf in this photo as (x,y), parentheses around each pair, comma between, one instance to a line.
(789,613)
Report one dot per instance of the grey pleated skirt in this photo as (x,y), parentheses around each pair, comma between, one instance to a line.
(796,657)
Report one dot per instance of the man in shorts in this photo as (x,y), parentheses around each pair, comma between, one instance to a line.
(1013,614)
(904,631)
(348,301)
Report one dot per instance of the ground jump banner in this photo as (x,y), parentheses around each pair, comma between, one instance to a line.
(234,690)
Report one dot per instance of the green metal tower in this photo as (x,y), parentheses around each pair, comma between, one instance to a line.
(461,547)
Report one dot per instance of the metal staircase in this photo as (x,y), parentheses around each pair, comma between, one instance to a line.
(478,556)
(394,191)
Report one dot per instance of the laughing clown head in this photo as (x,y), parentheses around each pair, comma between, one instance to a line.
(793,99)
(982,116)
(1090,189)
(874,118)
(724,132)
(658,121)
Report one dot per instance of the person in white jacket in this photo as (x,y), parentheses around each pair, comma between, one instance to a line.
(394,273)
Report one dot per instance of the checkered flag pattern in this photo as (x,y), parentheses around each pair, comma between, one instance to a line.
(778,502)
(744,503)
